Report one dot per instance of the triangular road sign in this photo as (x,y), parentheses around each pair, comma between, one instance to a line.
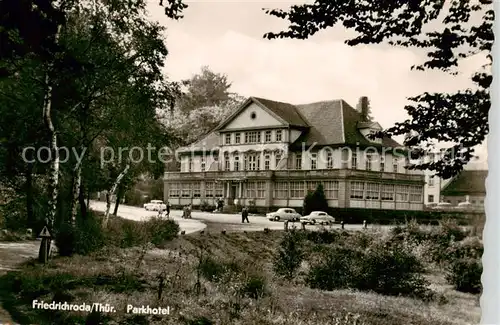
(45,232)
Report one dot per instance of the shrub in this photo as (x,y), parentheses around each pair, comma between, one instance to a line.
(255,286)
(211,269)
(315,201)
(290,255)
(86,237)
(465,275)
(207,207)
(471,247)
(380,268)
(161,230)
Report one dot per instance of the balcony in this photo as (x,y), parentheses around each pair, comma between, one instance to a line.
(294,174)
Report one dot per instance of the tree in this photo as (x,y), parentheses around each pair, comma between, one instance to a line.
(315,201)
(465,29)
(206,88)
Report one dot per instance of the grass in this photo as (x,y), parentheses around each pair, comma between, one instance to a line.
(249,293)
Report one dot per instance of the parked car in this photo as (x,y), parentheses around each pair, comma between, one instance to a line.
(155,205)
(284,214)
(318,217)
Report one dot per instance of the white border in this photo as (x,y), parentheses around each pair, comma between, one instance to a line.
(490,304)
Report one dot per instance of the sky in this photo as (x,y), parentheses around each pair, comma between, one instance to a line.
(227,36)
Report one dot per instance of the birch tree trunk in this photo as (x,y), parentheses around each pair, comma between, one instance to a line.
(54,171)
(77,179)
(43,253)
(110,193)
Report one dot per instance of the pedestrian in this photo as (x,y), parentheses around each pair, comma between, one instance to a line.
(168,209)
(189,211)
(244,215)
(184,212)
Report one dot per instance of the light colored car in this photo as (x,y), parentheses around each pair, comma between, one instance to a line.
(155,205)
(318,217)
(284,214)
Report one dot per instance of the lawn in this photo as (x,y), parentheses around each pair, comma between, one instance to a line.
(215,278)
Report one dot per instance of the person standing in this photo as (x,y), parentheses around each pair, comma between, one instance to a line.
(244,215)
(168,209)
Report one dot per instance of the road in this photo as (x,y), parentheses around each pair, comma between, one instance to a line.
(230,222)
(139,214)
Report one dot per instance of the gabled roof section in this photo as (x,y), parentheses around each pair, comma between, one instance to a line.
(208,142)
(288,114)
(468,182)
(335,122)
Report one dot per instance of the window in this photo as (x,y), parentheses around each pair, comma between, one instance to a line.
(173,190)
(197,189)
(387,192)
(203,164)
(252,162)
(261,190)
(228,138)
(312,186)
(227,163)
(236,163)
(190,164)
(430,199)
(237,138)
(357,190)
(186,190)
(354,160)
(252,137)
(281,190)
(395,165)
(278,135)
(382,163)
(209,189)
(251,190)
(332,190)
(345,159)
(277,160)
(369,159)
(314,161)
(297,190)
(267,137)
(415,194)
(431,180)
(298,161)
(329,160)
(267,162)
(402,192)
(219,189)
(372,191)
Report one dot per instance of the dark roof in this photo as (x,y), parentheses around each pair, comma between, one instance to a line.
(332,122)
(285,111)
(468,182)
(335,122)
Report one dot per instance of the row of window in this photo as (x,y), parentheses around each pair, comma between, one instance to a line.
(253,137)
(255,189)
(386,192)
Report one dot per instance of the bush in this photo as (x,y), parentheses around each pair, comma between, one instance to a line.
(87,237)
(207,207)
(470,247)
(290,255)
(217,271)
(315,201)
(465,275)
(161,230)
(255,286)
(322,237)
(380,268)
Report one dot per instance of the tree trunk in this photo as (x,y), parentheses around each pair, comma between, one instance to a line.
(110,193)
(119,195)
(81,198)
(77,180)
(29,197)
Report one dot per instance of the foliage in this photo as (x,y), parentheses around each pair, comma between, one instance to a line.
(88,237)
(315,201)
(460,29)
(465,274)
(290,255)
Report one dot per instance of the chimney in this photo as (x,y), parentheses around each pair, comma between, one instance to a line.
(363,108)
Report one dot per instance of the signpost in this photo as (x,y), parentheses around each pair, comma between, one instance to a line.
(46,236)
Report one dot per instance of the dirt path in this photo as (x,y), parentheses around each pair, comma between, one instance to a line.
(12,254)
